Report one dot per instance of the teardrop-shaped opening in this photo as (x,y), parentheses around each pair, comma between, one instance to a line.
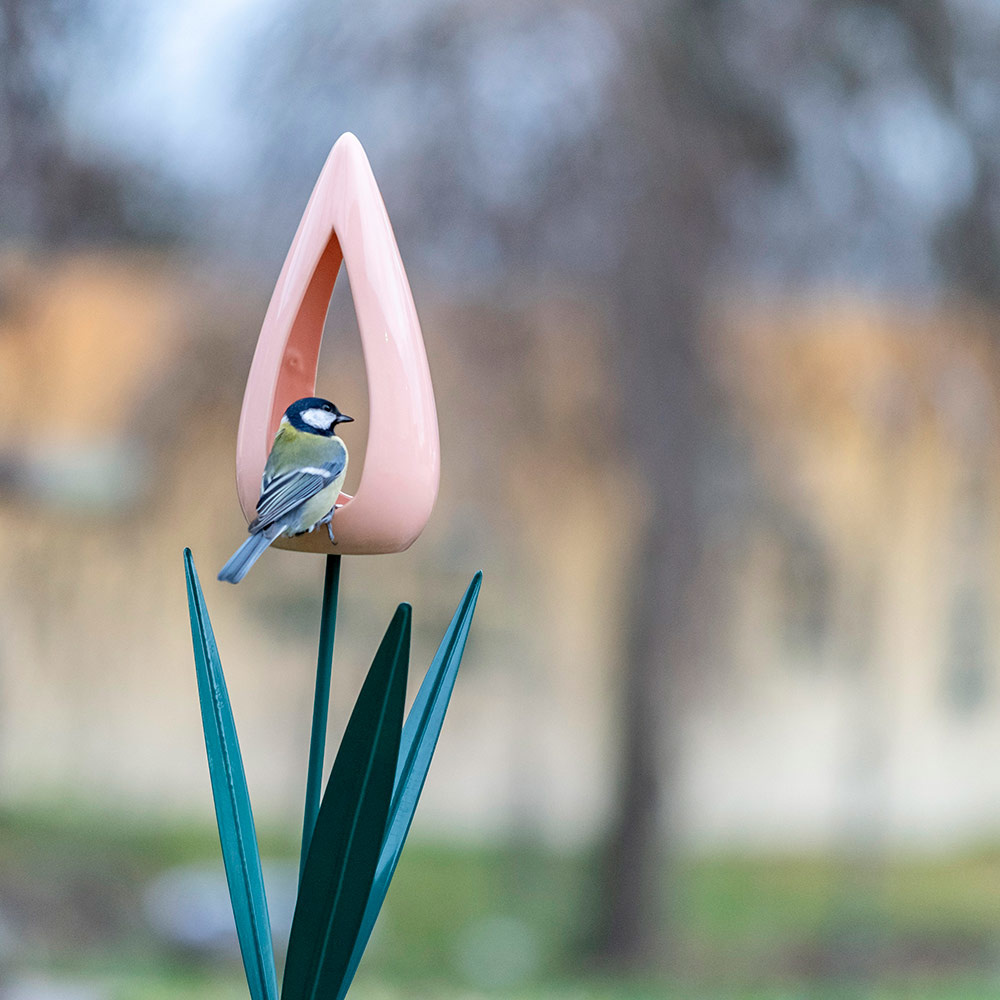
(324,357)
(297,373)
(340,376)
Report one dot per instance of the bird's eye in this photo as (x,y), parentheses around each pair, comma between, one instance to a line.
(329,409)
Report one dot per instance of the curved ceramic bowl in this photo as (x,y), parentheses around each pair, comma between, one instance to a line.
(346,220)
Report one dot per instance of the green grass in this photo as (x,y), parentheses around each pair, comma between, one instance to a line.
(473,922)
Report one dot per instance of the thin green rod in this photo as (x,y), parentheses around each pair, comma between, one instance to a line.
(321,704)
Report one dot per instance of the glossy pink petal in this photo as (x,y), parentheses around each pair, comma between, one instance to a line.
(346,220)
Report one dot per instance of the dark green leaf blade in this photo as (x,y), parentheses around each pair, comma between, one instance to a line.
(420,736)
(232,800)
(350,827)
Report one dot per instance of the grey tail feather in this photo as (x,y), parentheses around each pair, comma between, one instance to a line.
(244,557)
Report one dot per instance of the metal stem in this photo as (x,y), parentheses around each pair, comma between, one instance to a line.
(321,704)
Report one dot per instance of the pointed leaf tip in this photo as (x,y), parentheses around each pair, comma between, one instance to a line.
(350,829)
(419,739)
(232,801)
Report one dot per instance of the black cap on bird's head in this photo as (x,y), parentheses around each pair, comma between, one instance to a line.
(316,416)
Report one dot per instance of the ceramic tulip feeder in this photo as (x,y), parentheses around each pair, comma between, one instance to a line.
(345,221)
(352,837)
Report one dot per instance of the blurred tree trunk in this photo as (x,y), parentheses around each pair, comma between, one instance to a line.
(663,391)
(688,122)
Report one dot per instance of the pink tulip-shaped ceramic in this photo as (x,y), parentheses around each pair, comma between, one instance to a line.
(346,220)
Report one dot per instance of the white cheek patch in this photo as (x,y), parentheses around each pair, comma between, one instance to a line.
(322,420)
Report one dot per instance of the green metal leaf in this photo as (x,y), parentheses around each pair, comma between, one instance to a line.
(232,800)
(350,827)
(420,736)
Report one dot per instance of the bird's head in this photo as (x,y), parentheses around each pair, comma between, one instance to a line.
(316,416)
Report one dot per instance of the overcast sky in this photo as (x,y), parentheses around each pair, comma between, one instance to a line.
(172,84)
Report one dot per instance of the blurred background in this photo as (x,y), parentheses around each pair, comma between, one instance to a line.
(711,296)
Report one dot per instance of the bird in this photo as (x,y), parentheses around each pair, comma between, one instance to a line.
(302,479)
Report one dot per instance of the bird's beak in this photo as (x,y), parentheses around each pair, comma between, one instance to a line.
(343,418)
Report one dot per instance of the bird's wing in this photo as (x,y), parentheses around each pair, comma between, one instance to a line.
(283,493)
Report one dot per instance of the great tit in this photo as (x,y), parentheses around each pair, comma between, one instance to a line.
(302,480)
